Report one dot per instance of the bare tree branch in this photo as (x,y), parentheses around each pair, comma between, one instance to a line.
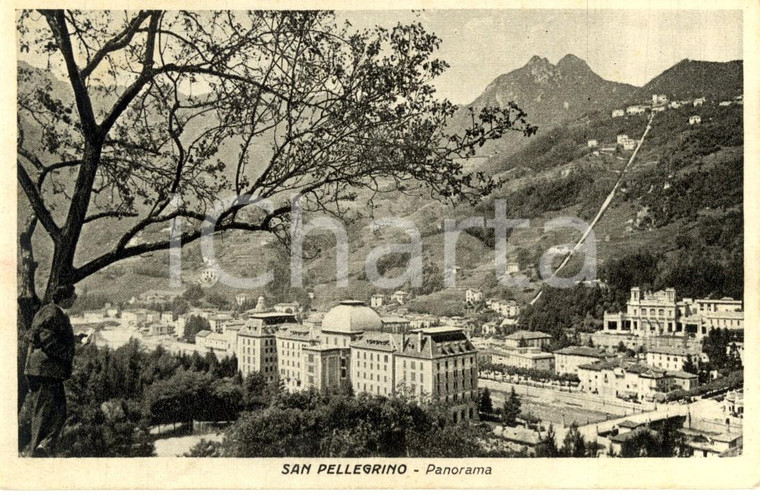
(35,199)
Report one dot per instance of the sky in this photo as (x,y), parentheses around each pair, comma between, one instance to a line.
(630,46)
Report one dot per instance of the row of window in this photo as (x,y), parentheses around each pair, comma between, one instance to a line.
(380,378)
(372,356)
(370,365)
(653,312)
(457,362)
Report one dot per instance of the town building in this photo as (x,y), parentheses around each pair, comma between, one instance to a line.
(257,342)
(698,102)
(326,367)
(377,301)
(635,109)
(513,267)
(629,379)
(568,359)
(320,359)
(687,381)
(628,429)
(725,103)
(709,444)
(734,403)
(290,342)
(648,313)
(372,357)
(675,104)
(473,296)
(433,364)
(523,357)
(241,299)
(156,296)
(395,324)
(520,437)
(201,338)
(347,321)
(489,328)
(593,143)
(290,308)
(509,308)
(400,297)
(700,316)
(217,342)
(208,277)
(621,138)
(695,119)
(618,113)
(524,338)
(660,314)
(158,329)
(218,320)
(417,320)
(137,317)
(610,340)
(671,358)
(659,99)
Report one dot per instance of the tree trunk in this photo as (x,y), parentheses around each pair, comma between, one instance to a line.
(62,267)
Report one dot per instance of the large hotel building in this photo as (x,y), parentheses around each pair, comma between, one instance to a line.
(352,345)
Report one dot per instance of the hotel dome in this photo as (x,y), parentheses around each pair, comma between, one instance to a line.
(351,317)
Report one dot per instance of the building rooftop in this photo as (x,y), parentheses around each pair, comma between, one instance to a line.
(442,341)
(351,317)
(261,315)
(727,437)
(521,435)
(440,329)
(628,434)
(577,350)
(673,351)
(523,334)
(629,424)
(302,334)
(393,319)
(380,341)
(681,374)
(533,353)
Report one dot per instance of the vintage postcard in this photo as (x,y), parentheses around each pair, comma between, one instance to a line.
(399,245)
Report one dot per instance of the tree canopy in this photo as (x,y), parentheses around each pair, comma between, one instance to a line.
(164,113)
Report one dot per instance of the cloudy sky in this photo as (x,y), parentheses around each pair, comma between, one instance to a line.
(629,46)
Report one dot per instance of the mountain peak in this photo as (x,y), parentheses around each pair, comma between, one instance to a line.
(536,60)
(571,60)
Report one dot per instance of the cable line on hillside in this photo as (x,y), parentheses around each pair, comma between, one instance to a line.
(603,208)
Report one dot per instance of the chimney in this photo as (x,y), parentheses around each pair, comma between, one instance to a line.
(419,340)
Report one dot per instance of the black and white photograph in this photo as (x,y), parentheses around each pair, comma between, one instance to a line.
(376,242)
